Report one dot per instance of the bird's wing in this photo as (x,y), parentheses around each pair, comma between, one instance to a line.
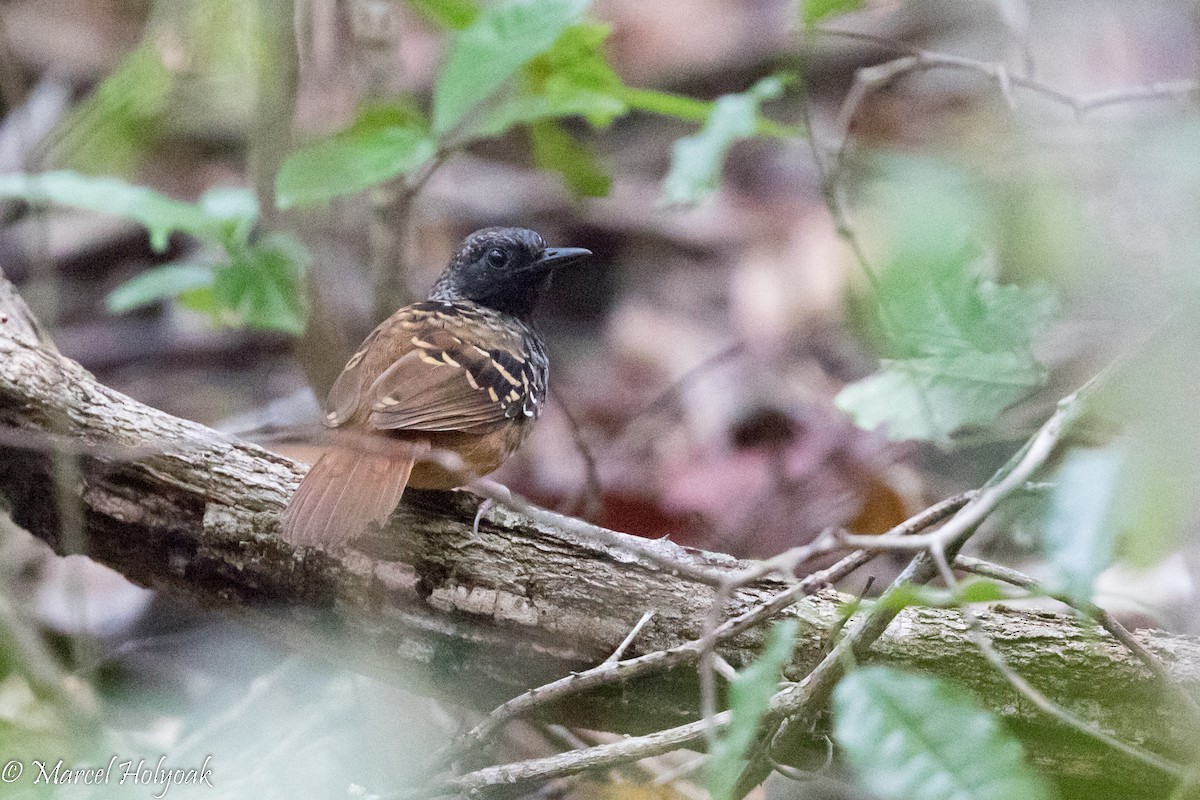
(347,389)
(447,383)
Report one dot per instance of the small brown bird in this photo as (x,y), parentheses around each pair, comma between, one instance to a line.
(460,373)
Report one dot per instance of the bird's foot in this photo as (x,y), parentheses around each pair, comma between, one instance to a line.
(484,507)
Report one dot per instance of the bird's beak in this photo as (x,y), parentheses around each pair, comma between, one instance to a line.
(555,257)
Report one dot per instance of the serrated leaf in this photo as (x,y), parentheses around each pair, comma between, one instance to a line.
(453,14)
(504,36)
(160,283)
(931,398)
(218,219)
(814,11)
(956,345)
(262,287)
(915,737)
(555,149)
(381,145)
(1081,527)
(696,160)
(749,696)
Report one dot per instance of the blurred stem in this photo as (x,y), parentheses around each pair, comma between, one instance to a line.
(692,110)
(374,29)
(389,249)
(36,664)
(270,139)
(390,256)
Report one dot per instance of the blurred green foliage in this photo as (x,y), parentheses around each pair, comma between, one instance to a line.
(256,283)
(201,69)
(956,345)
(385,141)
(749,695)
(813,12)
(696,160)
(512,62)
(915,737)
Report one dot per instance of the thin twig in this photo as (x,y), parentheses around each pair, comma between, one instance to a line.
(1044,703)
(1102,618)
(592,496)
(661,659)
(1027,461)
(628,640)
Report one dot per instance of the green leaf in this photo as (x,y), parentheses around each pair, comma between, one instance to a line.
(262,287)
(222,215)
(973,590)
(157,284)
(1081,527)
(749,696)
(236,211)
(931,398)
(555,149)
(814,11)
(957,345)
(571,79)
(113,127)
(380,145)
(505,36)
(453,14)
(914,737)
(696,160)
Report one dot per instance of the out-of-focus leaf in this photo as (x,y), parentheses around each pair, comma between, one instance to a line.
(110,130)
(202,70)
(221,216)
(236,210)
(1081,528)
(749,695)
(158,284)
(974,590)
(453,14)
(571,79)
(380,145)
(931,398)
(814,11)
(1152,396)
(262,287)
(956,344)
(555,149)
(696,160)
(915,737)
(504,36)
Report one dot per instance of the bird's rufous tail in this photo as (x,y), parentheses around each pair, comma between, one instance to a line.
(349,488)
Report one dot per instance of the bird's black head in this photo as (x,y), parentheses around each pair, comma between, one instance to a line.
(503,268)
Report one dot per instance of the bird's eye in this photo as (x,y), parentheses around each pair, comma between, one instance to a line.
(497,258)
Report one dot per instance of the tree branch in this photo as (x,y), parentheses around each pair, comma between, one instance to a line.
(479,618)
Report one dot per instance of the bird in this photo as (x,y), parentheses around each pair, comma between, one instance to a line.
(440,393)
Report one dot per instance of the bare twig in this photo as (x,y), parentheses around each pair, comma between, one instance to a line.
(1011,478)
(592,495)
(607,673)
(659,552)
(628,640)
(1040,700)
(1104,619)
